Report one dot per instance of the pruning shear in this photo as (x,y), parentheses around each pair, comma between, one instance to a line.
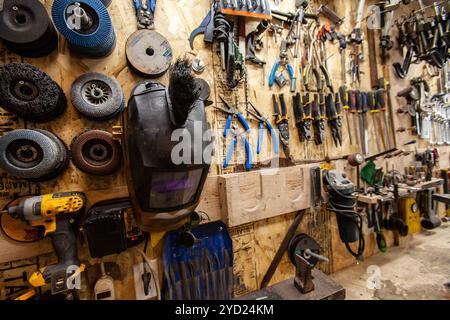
(145,10)
(248,160)
(231,111)
(263,122)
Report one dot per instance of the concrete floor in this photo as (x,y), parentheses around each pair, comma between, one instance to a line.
(418,271)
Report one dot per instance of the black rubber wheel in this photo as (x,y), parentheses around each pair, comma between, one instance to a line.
(26,28)
(30,93)
(96,152)
(31,154)
(97,96)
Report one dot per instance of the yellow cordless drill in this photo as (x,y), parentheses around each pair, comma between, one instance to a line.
(52,215)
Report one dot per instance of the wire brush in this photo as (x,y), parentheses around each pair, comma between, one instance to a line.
(182,89)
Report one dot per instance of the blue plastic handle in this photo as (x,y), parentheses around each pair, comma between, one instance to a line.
(229,153)
(260,137)
(290,71)
(227,126)
(137,5)
(152,5)
(248,154)
(272,73)
(243,122)
(276,146)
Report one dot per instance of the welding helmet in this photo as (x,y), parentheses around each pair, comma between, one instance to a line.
(163,189)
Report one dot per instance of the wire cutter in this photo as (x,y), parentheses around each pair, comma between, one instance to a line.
(248,157)
(145,10)
(231,111)
(263,122)
(283,60)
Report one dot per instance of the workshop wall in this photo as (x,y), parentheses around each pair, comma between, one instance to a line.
(254,244)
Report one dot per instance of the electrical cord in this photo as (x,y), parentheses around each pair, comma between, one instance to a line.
(147,261)
(344,206)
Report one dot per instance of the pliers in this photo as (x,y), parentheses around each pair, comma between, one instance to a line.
(283,60)
(264,122)
(145,10)
(231,111)
(248,157)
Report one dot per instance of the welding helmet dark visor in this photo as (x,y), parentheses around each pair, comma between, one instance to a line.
(167,162)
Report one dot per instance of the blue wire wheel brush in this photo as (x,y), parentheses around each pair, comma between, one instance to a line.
(86,25)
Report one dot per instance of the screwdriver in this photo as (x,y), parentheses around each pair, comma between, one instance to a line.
(364,122)
(381,104)
(372,105)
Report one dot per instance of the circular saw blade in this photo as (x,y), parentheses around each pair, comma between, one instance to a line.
(18,230)
(149,53)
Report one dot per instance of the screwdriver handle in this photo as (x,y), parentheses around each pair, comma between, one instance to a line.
(352,101)
(381,99)
(364,102)
(343,94)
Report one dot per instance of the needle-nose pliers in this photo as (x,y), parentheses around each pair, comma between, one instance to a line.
(248,158)
(231,111)
(263,122)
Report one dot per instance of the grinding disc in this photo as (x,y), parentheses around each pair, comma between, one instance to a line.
(148,53)
(97,96)
(62,157)
(298,246)
(202,89)
(23,21)
(96,152)
(30,93)
(31,154)
(86,25)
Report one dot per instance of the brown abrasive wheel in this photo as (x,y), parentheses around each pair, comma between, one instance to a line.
(96,152)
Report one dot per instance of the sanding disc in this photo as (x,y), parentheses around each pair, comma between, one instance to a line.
(149,53)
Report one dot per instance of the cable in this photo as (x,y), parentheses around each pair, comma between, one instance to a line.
(344,205)
(155,281)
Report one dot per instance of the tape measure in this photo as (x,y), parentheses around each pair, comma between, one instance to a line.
(148,53)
